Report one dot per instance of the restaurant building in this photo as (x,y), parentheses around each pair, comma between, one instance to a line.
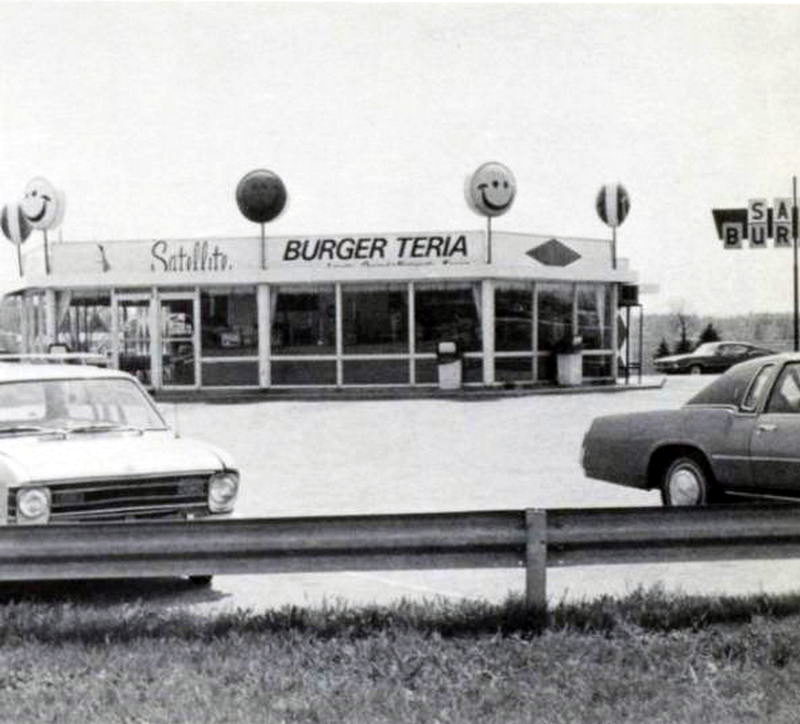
(327,311)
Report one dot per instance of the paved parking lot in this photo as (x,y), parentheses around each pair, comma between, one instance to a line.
(315,458)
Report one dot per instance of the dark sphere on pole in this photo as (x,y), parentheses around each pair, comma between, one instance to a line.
(261,196)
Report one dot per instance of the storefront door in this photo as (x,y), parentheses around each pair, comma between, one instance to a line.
(178,320)
(133,325)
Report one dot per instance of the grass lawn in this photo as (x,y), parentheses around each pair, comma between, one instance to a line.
(650,657)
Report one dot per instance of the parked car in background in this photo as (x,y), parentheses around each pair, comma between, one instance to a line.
(710,357)
(737,438)
(80,443)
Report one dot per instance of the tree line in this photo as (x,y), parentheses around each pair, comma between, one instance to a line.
(680,333)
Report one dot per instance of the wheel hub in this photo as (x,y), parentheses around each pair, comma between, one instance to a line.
(684,487)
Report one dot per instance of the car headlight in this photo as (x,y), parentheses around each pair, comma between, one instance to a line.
(222,490)
(33,506)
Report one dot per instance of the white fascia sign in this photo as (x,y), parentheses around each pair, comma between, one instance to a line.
(377,250)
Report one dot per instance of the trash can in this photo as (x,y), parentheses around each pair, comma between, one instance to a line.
(448,363)
(570,362)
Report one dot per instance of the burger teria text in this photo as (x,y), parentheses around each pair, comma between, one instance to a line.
(375,247)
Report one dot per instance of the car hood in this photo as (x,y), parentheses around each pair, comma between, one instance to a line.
(32,459)
(674,358)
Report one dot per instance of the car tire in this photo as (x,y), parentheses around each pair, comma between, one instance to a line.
(695,370)
(201,581)
(686,483)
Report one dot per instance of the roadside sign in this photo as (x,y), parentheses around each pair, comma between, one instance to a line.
(613,204)
(782,221)
(757,223)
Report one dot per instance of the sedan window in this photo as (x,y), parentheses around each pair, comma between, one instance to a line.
(757,388)
(729,388)
(785,396)
(706,349)
(733,350)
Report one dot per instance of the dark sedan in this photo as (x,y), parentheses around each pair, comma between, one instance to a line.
(738,437)
(710,357)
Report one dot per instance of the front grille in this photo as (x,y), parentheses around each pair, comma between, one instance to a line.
(145,498)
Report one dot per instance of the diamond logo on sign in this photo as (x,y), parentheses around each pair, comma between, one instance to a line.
(553,253)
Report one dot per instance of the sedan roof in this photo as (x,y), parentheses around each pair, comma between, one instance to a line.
(26,371)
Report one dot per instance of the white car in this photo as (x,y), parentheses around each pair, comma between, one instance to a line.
(80,443)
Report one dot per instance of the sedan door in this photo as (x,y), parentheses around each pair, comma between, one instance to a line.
(775,442)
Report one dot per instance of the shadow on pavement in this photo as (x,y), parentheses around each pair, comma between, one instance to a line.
(162,591)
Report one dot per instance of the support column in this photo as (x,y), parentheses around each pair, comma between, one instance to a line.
(339,340)
(264,334)
(24,325)
(114,330)
(197,340)
(50,315)
(412,335)
(614,332)
(156,351)
(487,329)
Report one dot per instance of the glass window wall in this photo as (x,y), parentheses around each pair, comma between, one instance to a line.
(37,325)
(594,316)
(177,341)
(555,306)
(303,320)
(447,312)
(513,317)
(84,321)
(11,308)
(133,322)
(228,334)
(229,320)
(375,319)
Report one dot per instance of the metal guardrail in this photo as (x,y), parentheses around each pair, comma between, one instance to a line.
(533,539)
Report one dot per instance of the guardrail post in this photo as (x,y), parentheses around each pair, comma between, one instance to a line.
(536,562)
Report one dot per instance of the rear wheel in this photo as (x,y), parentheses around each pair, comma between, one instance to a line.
(201,580)
(685,482)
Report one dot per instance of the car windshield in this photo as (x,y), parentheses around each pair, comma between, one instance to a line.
(75,405)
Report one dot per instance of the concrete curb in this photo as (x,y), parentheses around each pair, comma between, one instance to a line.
(467,394)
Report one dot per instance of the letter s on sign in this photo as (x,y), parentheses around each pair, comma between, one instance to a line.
(158,248)
(757,211)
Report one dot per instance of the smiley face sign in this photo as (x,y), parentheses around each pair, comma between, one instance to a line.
(491,189)
(43,204)
(261,196)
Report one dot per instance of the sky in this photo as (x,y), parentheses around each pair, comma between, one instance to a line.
(147,115)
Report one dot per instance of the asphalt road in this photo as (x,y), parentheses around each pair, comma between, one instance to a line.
(350,457)
(309,458)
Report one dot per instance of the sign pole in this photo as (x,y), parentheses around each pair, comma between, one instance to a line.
(613,247)
(46,253)
(794,248)
(263,249)
(488,239)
